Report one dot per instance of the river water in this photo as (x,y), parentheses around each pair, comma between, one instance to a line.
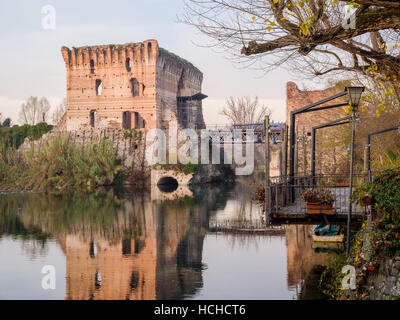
(113,245)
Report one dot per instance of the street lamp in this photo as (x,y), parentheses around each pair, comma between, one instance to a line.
(355,94)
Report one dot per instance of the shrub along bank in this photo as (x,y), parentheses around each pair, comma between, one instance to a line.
(58,165)
(15,136)
(375,251)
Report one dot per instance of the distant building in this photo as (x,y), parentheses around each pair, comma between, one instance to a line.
(134,85)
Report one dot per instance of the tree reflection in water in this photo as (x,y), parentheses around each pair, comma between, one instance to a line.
(116,247)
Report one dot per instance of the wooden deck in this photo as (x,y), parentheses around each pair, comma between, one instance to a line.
(295,213)
(250,227)
(303,218)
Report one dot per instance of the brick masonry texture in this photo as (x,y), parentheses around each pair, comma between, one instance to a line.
(331,155)
(133,85)
(298,98)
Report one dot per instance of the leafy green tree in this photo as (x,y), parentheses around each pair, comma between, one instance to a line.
(7,122)
(13,137)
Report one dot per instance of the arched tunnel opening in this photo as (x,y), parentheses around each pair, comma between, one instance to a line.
(167,184)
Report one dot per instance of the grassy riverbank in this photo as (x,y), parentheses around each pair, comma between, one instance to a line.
(58,165)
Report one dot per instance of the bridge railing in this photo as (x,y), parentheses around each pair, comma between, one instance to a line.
(280,192)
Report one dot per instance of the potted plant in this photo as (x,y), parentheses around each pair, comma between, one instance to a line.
(362,195)
(342,182)
(318,201)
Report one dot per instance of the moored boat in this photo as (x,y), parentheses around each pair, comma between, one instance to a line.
(327,233)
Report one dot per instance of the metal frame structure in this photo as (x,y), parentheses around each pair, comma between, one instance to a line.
(309,108)
(352,94)
(337,122)
(369,147)
(353,134)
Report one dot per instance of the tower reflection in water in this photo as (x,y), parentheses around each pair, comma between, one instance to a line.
(136,247)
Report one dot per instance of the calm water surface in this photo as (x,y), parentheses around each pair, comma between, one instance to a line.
(152,246)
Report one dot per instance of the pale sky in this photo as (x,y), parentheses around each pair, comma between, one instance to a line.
(31,63)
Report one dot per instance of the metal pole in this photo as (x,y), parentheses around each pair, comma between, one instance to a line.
(285,145)
(314,131)
(296,161)
(353,129)
(284,161)
(326,107)
(281,156)
(267,171)
(369,147)
(304,153)
(369,158)
(366,175)
(291,150)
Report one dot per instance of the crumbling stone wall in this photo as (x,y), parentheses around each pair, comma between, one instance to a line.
(386,284)
(130,148)
(330,160)
(132,85)
(177,77)
(297,99)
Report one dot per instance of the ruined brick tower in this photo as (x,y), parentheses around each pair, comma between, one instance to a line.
(134,85)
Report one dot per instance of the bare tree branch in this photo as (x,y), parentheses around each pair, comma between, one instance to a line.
(244,110)
(34,111)
(59,112)
(301,33)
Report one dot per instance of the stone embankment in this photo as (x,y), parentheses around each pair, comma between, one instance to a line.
(384,284)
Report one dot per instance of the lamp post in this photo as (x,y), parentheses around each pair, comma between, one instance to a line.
(355,94)
(267,171)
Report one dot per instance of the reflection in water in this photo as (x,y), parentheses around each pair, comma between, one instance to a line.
(168,185)
(302,258)
(133,247)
